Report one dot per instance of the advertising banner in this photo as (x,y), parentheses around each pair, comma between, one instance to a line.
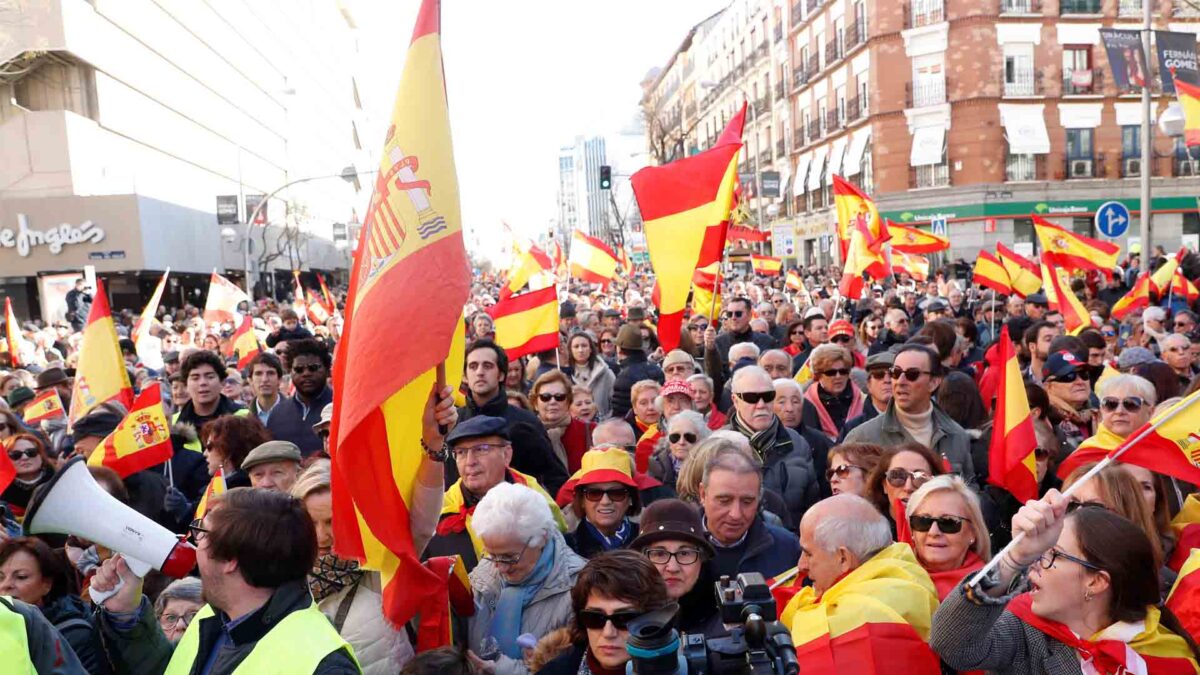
(1176,51)
(1126,58)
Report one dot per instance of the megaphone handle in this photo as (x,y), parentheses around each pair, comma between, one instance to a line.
(139,568)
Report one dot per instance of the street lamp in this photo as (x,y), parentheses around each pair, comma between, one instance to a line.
(709,84)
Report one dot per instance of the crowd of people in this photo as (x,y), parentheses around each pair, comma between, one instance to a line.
(838,448)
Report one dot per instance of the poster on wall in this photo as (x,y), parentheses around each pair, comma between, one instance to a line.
(53,289)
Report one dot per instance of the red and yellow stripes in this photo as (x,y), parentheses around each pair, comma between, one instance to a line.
(912,240)
(1189,100)
(215,487)
(766,265)
(1184,600)
(100,375)
(1137,297)
(141,440)
(1062,298)
(46,406)
(1065,249)
(141,330)
(591,259)
(223,299)
(244,343)
(990,272)
(1023,274)
(527,323)
(1011,453)
(916,266)
(854,209)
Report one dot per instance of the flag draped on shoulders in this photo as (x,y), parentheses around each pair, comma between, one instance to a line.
(141,440)
(410,266)
(1011,453)
(223,299)
(527,323)
(100,375)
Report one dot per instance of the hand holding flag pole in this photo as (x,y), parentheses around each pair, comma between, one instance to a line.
(1139,436)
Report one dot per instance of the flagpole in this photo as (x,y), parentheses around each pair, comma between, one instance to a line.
(712,311)
(1145,431)
(993,308)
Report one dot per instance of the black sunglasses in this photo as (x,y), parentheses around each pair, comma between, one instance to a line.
(1130,403)
(910,374)
(840,338)
(734,314)
(595,619)
(312,368)
(879,373)
(615,494)
(946,524)
(836,372)
(753,397)
(1068,378)
(687,436)
(16,455)
(545,398)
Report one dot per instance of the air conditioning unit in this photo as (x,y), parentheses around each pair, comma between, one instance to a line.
(1081,168)
(1132,167)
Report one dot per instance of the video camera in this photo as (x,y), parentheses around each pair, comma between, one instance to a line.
(757,643)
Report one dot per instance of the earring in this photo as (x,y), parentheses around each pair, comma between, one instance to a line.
(1087,596)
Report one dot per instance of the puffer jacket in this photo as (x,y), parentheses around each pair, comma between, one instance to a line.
(634,369)
(549,609)
(378,647)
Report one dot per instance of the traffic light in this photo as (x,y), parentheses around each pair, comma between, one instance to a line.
(605,177)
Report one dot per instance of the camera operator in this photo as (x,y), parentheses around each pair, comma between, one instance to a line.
(673,540)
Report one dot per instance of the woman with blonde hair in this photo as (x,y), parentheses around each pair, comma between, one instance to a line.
(949,535)
(1116,490)
(834,399)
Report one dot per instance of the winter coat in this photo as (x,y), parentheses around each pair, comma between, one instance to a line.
(72,618)
(949,439)
(769,550)
(285,335)
(378,647)
(662,468)
(532,452)
(789,471)
(634,369)
(550,607)
(600,380)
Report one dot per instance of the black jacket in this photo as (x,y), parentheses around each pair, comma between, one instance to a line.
(532,455)
(583,542)
(187,414)
(290,422)
(887,338)
(789,471)
(634,369)
(869,413)
(285,335)
(767,549)
(72,619)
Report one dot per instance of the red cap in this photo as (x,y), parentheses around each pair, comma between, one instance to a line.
(841,327)
(678,387)
(181,561)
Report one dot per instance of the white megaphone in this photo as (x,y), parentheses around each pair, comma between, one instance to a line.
(73,503)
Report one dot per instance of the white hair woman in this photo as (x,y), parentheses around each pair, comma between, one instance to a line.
(684,431)
(1126,403)
(524,578)
(949,535)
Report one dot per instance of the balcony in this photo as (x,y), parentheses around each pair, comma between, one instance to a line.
(1079,6)
(1083,83)
(1020,6)
(798,138)
(925,13)
(799,77)
(797,14)
(856,34)
(780,148)
(814,131)
(1018,168)
(760,107)
(855,109)
(764,157)
(813,68)
(778,91)
(1023,83)
(777,33)
(833,52)
(921,93)
(761,50)
(833,121)
(1183,8)
(740,70)
(1129,8)
(932,176)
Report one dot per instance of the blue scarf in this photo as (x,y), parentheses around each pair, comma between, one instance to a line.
(607,543)
(506,620)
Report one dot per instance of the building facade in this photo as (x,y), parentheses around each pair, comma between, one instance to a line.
(122,123)
(582,205)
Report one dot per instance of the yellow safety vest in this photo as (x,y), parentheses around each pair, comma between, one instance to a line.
(295,645)
(195,445)
(14,641)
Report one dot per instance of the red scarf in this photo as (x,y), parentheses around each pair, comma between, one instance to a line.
(827,426)
(950,579)
(454,522)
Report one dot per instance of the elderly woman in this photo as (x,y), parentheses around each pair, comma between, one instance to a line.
(684,430)
(613,589)
(1126,403)
(551,399)
(1093,606)
(589,370)
(901,471)
(949,536)
(673,539)
(849,466)
(644,412)
(604,498)
(523,581)
(1065,379)
(33,468)
(176,606)
(834,399)
(702,386)
(583,407)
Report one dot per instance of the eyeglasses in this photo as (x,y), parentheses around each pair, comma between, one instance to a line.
(1068,378)
(480,450)
(28,453)
(546,398)
(596,494)
(197,532)
(1130,403)
(734,314)
(684,556)
(170,620)
(312,368)
(898,477)
(687,436)
(840,339)
(798,331)
(841,471)
(836,372)
(605,341)
(595,619)
(753,397)
(879,373)
(946,524)
(1109,333)
(506,560)
(910,374)
(1047,560)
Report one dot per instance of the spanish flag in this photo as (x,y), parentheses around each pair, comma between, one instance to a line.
(100,375)
(916,266)
(141,329)
(330,303)
(1062,298)
(793,281)
(591,259)
(766,265)
(1063,248)
(1010,455)
(1024,276)
(224,296)
(912,240)
(527,323)
(215,487)
(625,264)
(805,374)
(1137,297)
(410,262)
(46,406)
(1186,526)
(853,207)
(875,619)
(865,256)
(317,315)
(1189,100)
(530,265)
(12,334)
(244,343)
(990,272)
(8,472)
(705,297)
(1183,288)
(141,440)
(1184,600)
(1162,278)
(455,597)
(299,306)
(679,201)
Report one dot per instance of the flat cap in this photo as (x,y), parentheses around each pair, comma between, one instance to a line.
(480,425)
(272,451)
(884,359)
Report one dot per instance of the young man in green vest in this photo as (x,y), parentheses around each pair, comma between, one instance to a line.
(254,549)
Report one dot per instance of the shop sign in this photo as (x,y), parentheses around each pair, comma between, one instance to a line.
(26,238)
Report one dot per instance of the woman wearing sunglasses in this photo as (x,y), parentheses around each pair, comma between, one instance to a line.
(835,399)
(551,397)
(605,496)
(901,471)
(1065,378)
(684,430)
(949,536)
(1091,604)
(850,464)
(33,468)
(613,589)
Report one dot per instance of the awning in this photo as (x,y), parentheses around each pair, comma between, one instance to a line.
(835,160)
(1129,114)
(928,146)
(785,178)
(1080,115)
(852,164)
(817,166)
(801,173)
(1025,129)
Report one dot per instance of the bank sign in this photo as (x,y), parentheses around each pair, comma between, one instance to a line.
(1001,209)
(25,238)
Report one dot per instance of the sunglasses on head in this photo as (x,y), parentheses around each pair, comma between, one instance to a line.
(312,368)
(841,471)
(836,372)
(898,477)
(546,398)
(615,494)
(595,619)
(753,397)
(1130,403)
(687,436)
(946,524)
(28,453)
(910,374)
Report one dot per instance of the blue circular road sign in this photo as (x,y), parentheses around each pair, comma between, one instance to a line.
(1112,219)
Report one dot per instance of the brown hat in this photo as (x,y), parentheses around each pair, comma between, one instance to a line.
(629,338)
(671,519)
(50,377)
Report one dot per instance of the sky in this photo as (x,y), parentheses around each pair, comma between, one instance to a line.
(524,77)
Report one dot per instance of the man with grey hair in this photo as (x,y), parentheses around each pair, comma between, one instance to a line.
(789,469)
(730,494)
(776,362)
(1177,353)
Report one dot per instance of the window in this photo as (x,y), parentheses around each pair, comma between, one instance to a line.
(929,81)
(840,95)
(1080,6)
(1187,160)
(1082,226)
(863,96)
(1191,224)
(1077,70)
(1023,233)
(821,115)
(1131,142)
(1079,143)
(820,51)
(1018,70)
(1020,167)
(866,175)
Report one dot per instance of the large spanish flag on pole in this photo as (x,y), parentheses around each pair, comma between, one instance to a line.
(141,329)
(1022,272)
(1063,248)
(1189,100)
(100,375)
(527,323)
(1160,279)
(410,262)
(679,202)
(990,272)
(1138,296)
(854,207)
(1010,454)
(916,266)
(223,299)
(591,259)
(912,240)
(141,440)
(12,334)
(1062,298)
(528,264)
